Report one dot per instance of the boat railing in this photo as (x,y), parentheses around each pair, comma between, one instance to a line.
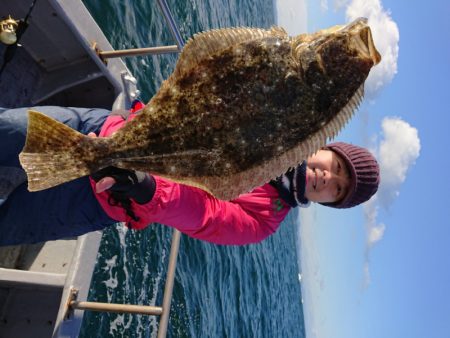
(104,55)
(164,310)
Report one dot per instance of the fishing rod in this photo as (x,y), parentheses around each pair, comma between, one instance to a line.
(11,32)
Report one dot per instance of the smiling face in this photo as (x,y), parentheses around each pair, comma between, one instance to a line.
(327,177)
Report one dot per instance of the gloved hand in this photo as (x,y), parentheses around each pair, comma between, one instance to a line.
(127,184)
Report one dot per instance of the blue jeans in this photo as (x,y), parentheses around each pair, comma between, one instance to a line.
(67,210)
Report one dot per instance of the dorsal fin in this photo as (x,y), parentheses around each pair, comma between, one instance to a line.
(206,44)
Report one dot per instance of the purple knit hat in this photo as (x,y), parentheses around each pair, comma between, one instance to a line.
(364,174)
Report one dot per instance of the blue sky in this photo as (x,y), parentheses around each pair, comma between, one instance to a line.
(383,269)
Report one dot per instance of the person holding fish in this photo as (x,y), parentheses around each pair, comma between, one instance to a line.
(242,106)
(340,175)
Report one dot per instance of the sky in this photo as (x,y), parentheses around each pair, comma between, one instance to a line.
(383,269)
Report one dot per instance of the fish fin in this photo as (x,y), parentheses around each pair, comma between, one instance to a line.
(332,128)
(203,45)
(53,152)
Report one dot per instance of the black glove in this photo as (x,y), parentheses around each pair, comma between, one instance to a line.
(129,185)
(291,186)
(137,185)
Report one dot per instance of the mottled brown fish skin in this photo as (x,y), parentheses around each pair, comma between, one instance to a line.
(238,106)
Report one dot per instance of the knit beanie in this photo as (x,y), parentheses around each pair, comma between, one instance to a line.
(364,174)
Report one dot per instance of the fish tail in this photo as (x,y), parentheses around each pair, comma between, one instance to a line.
(55,153)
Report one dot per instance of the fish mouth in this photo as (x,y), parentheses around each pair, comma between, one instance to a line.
(359,37)
(362,38)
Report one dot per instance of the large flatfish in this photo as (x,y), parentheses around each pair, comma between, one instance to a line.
(241,107)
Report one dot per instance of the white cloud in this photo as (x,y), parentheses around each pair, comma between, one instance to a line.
(376,233)
(398,151)
(386,36)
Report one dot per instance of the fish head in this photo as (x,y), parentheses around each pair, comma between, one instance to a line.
(356,37)
(337,54)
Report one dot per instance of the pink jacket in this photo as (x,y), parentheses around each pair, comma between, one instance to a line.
(250,218)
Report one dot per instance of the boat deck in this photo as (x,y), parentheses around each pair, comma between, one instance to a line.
(55,65)
(16,85)
(21,88)
(30,292)
(35,284)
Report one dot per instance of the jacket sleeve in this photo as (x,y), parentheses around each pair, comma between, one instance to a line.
(247,219)
(250,218)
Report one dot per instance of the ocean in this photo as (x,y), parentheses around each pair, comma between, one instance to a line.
(220,291)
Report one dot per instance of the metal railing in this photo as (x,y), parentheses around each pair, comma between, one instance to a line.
(163,310)
(151,50)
